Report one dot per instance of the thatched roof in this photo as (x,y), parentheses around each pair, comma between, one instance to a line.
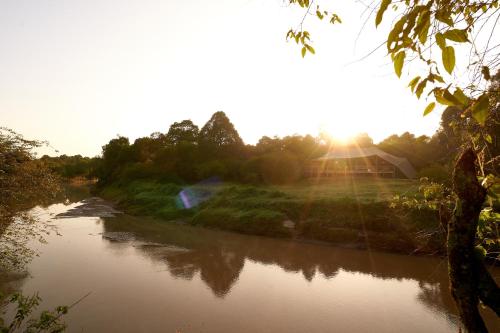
(358,152)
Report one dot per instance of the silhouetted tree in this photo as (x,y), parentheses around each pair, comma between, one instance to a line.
(420,151)
(220,132)
(115,155)
(363,140)
(184,131)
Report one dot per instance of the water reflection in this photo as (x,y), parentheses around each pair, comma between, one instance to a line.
(220,257)
(180,278)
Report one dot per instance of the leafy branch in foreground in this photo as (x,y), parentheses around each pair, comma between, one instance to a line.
(48,321)
(24,183)
(441,198)
(422,29)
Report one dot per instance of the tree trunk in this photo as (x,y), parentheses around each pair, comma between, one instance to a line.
(469,279)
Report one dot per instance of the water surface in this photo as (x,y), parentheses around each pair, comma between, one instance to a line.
(151,276)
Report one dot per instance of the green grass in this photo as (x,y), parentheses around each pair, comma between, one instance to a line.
(363,189)
(342,211)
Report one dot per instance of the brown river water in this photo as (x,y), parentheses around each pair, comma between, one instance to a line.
(151,276)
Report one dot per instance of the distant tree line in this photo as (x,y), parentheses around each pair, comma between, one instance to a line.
(72,166)
(186,153)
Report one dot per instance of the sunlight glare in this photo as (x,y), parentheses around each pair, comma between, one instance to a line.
(341,129)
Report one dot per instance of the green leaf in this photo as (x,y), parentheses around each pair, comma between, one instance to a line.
(399,60)
(380,14)
(440,40)
(297,37)
(461,97)
(435,77)
(420,88)
(443,97)
(310,48)
(480,109)
(413,83)
(423,25)
(393,37)
(335,18)
(303,51)
(444,17)
(449,58)
(422,35)
(456,35)
(429,108)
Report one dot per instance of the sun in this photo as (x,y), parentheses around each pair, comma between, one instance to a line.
(340,130)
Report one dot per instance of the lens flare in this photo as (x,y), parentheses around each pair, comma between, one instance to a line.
(194,195)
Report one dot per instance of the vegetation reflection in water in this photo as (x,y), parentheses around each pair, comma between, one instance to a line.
(159,272)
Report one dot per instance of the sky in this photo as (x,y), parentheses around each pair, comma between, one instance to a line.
(79,73)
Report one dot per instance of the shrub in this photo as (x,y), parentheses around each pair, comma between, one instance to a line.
(279,168)
(211,169)
(436,173)
(253,221)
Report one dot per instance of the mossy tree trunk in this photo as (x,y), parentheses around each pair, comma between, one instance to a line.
(469,279)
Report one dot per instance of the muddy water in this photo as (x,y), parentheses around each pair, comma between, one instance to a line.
(149,276)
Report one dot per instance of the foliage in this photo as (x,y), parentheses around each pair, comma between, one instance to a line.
(23,179)
(420,151)
(219,132)
(184,131)
(72,166)
(417,30)
(326,212)
(437,196)
(488,232)
(186,155)
(48,321)
(178,158)
(279,168)
(257,221)
(457,131)
(17,231)
(436,173)
(24,182)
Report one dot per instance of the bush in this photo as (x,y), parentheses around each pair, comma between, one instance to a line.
(279,168)
(436,173)
(212,169)
(254,221)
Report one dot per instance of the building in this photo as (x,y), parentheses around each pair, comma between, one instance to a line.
(359,161)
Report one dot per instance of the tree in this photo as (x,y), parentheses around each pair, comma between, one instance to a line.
(23,178)
(220,132)
(268,145)
(279,168)
(24,182)
(363,140)
(455,130)
(184,131)
(417,32)
(114,155)
(420,151)
(146,149)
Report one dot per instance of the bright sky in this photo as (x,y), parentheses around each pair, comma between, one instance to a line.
(77,73)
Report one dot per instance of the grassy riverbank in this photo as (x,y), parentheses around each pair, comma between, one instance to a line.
(354,213)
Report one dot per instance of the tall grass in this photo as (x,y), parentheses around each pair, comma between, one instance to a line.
(339,212)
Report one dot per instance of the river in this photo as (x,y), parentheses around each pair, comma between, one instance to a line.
(145,275)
